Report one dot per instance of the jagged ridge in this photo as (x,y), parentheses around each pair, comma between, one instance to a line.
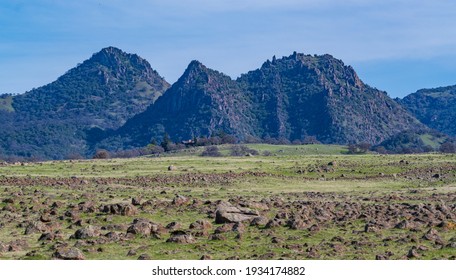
(291,98)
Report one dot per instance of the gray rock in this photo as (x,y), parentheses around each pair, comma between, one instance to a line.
(66,253)
(88,232)
(36,227)
(181,237)
(201,225)
(227,213)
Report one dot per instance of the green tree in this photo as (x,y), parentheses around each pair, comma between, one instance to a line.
(166,142)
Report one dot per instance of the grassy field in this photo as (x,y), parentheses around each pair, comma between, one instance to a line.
(314,202)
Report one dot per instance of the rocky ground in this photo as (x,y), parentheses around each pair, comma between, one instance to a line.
(297,214)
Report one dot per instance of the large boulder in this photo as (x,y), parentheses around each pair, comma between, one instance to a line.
(36,227)
(145,227)
(181,237)
(88,232)
(227,213)
(124,209)
(140,227)
(66,253)
(201,225)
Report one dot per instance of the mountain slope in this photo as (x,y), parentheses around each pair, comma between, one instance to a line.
(201,102)
(99,94)
(302,95)
(434,107)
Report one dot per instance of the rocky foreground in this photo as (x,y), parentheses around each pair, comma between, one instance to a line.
(205,216)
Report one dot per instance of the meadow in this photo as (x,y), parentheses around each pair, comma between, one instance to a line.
(287,202)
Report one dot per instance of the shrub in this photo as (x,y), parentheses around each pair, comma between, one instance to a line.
(310,140)
(360,148)
(448,147)
(211,151)
(101,154)
(241,150)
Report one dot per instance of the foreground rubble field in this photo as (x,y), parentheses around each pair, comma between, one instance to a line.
(275,207)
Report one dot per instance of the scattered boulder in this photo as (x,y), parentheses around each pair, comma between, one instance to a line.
(181,237)
(140,227)
(259,221)
(217,237)
(227,213)
(48,236)
(8,200)
(17,245)
(272,223)
(224,228)
(36,227)
(206,257)
(124,209)
(173,226)
(3,247)
(413,253)
(180,200)
(145,227)
(136,201)
(112,236)
(87,207)
(381,257)
(201,225)
(65,253)
(144,257)
(45,218)
(403,225)
(296,224)
(131,252)
(432,235)
(88,232)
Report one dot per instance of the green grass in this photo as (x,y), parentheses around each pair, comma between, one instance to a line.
(433,141)
(6,103)
(292,174)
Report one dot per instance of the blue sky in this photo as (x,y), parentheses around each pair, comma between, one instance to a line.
(398,46)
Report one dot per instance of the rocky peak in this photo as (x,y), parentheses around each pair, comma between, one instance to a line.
(108,55)
(195,71)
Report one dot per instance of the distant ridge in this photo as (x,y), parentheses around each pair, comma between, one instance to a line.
(434,107)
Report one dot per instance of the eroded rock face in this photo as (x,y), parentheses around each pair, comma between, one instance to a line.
(227,213)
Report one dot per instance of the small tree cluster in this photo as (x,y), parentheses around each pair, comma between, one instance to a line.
(359,148)
(310,140)
(211,151)
(448,147)
(241,150)
(101,154)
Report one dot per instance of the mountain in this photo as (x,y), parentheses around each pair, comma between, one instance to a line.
(201,102)
(303,95)
(102,93)
(288,98)
(434,107)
